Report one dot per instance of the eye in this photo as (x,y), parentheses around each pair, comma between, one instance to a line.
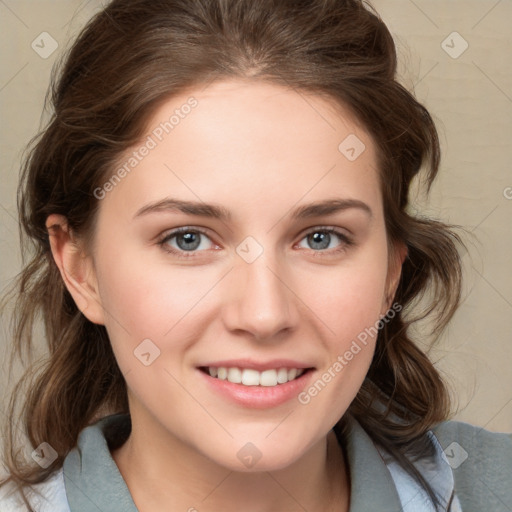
(183,240)
(190,240)
(321,238)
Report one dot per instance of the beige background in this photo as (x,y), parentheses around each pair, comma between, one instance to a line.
(469,95)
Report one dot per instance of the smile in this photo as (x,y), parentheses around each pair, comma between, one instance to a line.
(251,377)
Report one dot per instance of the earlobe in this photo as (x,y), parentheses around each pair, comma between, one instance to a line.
(76,269)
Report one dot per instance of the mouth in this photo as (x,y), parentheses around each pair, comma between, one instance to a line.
(273,377)
(256,385)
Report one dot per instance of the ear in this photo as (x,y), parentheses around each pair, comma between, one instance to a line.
(397,255)
(76,268)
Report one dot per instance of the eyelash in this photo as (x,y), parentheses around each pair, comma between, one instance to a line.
(346,241)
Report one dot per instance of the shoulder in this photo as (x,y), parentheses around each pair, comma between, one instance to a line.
(463,443)
(481,463)
(47,496)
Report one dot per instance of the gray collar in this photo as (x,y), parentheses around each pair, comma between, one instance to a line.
(93,482)
(91,476)
(371,484)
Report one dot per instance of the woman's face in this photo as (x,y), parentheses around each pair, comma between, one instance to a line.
(255,175)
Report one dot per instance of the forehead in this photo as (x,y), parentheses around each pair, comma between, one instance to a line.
(251,113)
(237,142)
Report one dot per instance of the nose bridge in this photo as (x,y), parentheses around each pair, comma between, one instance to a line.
(262,303)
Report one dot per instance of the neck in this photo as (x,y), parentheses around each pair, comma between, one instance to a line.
(164,474)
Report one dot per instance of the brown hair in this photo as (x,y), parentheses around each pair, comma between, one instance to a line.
(128,59)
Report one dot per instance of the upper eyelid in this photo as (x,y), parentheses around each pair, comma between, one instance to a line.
(336,229)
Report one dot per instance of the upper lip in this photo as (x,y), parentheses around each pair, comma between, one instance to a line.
(255,365)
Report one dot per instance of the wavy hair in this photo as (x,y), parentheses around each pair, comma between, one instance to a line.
(129,58)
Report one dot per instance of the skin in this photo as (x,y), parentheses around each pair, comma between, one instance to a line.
(259,150)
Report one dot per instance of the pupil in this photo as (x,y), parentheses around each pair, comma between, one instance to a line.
(189,240)
(322,239)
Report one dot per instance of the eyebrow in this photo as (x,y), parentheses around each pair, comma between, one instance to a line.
(200,209)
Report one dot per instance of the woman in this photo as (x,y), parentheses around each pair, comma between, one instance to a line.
(223,263)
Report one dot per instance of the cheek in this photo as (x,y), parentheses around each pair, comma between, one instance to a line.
(143,301)
(350,313)
(348,301)
(349,297)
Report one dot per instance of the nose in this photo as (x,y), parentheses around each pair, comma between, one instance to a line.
(261,302)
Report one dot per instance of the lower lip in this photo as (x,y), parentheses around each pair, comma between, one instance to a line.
(258,397)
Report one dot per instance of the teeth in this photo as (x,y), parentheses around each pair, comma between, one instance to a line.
(235,375)
(268,378)
(282,375)
(249,377)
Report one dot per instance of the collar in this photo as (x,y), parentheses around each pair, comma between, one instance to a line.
(93,481)
(371,484)
(435,469)
(91,476)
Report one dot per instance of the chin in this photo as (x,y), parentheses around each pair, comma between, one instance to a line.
(254,457)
